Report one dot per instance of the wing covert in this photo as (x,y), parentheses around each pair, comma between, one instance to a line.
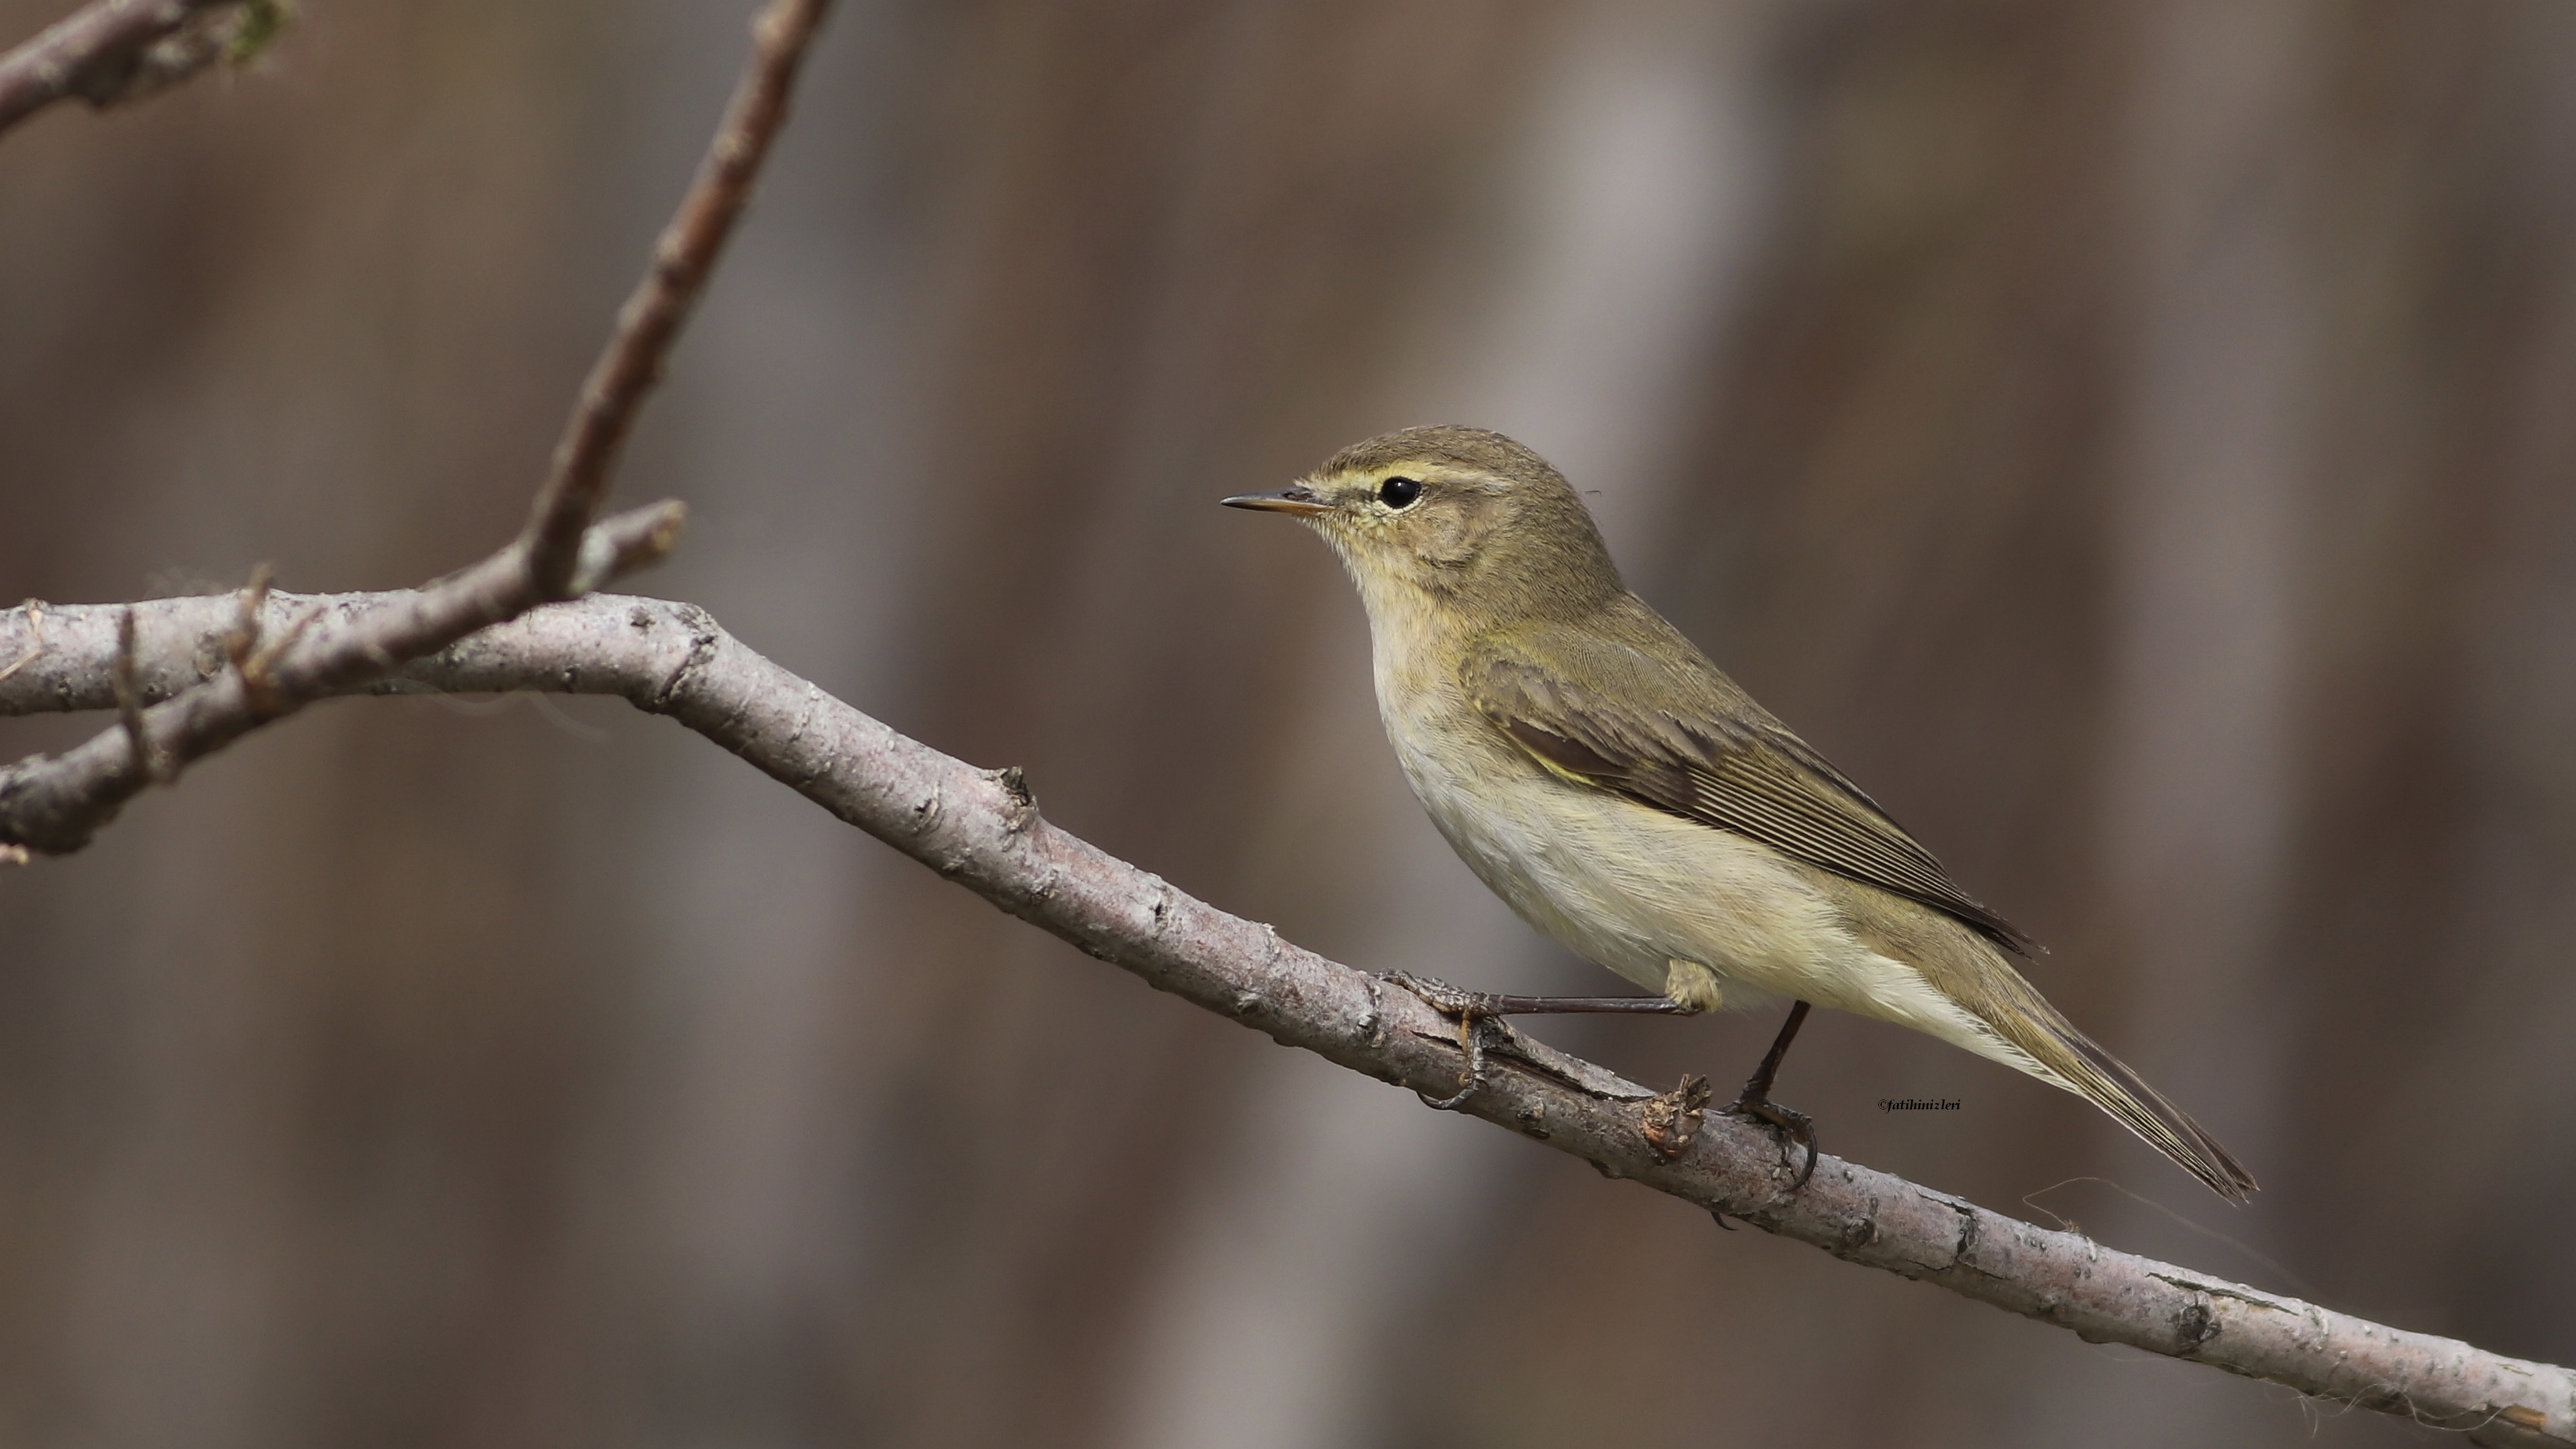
(1750,776)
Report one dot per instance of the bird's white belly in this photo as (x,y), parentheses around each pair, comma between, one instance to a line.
(1636,889)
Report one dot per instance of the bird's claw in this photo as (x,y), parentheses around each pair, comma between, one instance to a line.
(1473,1009)
(1795,1128)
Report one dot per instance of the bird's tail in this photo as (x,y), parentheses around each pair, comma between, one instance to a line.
(2076,1062)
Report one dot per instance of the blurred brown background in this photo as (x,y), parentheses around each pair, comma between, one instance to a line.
(2136,440)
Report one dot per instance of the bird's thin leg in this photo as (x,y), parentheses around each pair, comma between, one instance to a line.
(1474,1008)
(1757,1088)
(1501,1005)
(1755,1101)
(1451,1001)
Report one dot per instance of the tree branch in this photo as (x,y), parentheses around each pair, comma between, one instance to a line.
(56,805)
(115,51)
(981,828)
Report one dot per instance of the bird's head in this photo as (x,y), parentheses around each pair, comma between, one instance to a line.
(1458,521)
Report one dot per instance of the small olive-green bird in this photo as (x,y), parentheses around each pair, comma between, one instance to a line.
(1603,777)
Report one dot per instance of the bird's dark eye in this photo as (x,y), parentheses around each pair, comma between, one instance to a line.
(1399,492)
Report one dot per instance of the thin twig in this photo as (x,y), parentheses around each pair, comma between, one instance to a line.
(36,637)
(973,827)
(683,259)
(141,762)
(114,51)
(245,634)
(54,805)
(257,670)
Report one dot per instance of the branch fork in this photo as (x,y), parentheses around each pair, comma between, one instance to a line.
(56,805)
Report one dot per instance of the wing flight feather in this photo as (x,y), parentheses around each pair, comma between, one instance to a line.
(1747,775)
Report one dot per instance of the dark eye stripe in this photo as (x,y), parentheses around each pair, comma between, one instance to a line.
(1399,492)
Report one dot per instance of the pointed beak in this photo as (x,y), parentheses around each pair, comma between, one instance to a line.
(1297,499)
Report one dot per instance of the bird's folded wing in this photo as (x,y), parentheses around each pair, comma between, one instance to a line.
(1745,774)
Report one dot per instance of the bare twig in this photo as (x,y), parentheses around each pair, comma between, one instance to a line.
(56,805)
(245,634)
(683,259)
(975,828)
(35,637)
(141,761)
(115,51)
(258,671)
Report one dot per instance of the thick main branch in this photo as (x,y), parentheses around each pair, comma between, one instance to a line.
(982,829)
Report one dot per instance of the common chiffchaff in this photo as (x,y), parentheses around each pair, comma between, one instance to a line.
(1627,799)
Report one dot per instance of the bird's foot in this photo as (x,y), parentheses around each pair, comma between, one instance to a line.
(1473,1009)
(1794,1127)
